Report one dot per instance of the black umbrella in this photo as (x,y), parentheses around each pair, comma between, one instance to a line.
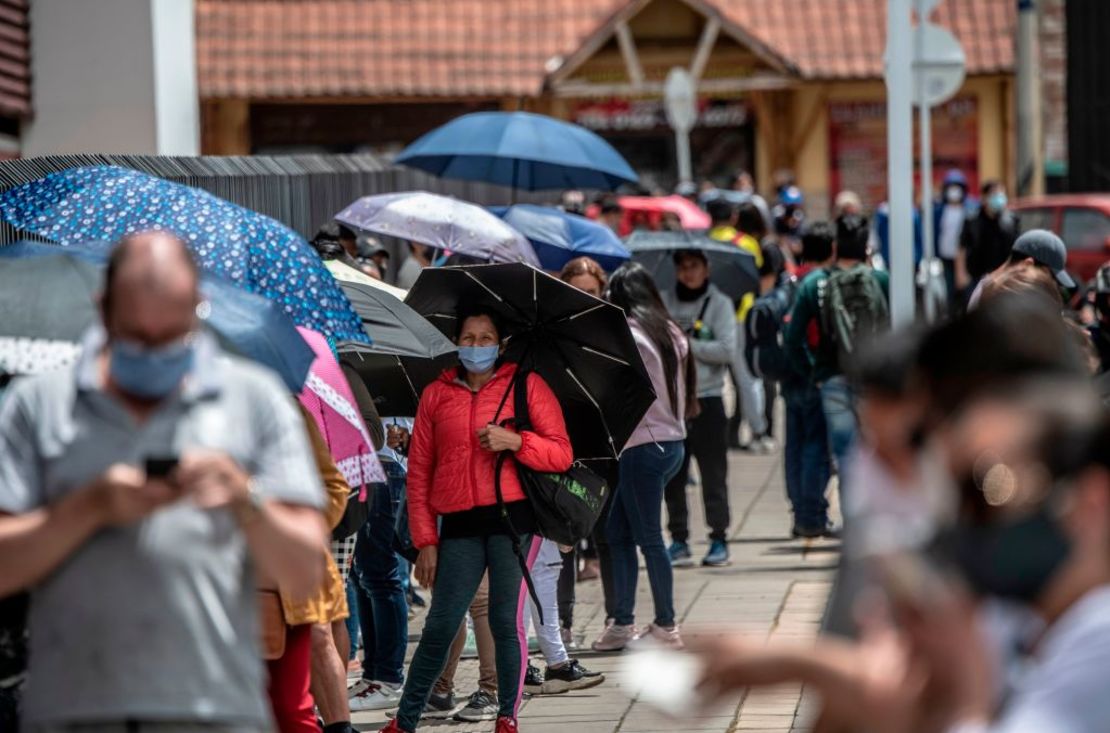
(730,268)
(580,345)
(407,351)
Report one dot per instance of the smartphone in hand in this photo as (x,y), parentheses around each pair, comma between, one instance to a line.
(160,467)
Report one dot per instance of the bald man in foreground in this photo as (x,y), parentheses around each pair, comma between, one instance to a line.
(141,491)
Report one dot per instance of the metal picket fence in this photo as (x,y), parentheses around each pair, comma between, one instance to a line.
(301,191)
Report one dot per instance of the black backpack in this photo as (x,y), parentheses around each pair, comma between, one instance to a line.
(853,310)
(763,343)
(566,505)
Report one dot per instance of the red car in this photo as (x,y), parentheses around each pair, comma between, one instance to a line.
(1081,219)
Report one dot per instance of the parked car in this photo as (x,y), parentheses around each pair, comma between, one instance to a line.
(1082,220)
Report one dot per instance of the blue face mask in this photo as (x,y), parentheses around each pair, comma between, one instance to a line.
(150,373)
(997,202)
(478,359)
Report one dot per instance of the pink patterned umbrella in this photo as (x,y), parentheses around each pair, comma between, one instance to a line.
(328,397)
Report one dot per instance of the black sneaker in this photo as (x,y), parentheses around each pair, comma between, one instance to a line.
(827,530)
(439,707)
(533,680)
(571,676)
(481,706)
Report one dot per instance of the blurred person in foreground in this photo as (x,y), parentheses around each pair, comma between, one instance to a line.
(705,314)
(1030,471)
(143,603)
(1019,446)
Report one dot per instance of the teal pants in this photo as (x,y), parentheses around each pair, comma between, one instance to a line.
(462,562)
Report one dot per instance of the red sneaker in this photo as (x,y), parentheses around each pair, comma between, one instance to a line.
(506,725)
(394,728)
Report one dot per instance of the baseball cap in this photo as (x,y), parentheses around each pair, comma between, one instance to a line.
(1045,248)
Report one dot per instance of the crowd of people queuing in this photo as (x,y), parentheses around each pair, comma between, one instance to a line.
(971,458)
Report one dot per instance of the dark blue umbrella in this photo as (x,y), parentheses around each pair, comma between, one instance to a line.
(253,251)
(520,150)
(48,294)
(559,237)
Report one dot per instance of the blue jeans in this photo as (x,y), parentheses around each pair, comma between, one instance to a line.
(382,608)
(636,520)
(806,454)
(462,561)
(353,629)
(839,404)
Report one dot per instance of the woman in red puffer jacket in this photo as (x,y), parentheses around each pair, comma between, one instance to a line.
(452,459)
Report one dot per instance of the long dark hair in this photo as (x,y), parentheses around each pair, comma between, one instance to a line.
(632,289)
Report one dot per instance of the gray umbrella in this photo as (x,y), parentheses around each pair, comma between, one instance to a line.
(407,352)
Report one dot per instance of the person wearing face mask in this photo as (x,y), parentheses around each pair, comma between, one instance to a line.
(1034,530)
(950,215)
(456,439)
(987,239)
(705,314)
(142,491)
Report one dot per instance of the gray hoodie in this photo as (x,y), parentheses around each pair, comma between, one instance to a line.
(713,346)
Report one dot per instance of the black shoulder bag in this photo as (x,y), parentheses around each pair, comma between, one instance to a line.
(566,505)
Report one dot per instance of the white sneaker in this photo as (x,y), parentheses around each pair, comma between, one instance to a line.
(668,638)
(375,696)
(614,638)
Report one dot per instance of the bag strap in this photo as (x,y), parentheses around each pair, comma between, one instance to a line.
(520,421)
(514,536)
(704,308)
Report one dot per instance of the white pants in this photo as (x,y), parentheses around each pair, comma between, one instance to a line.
(545,576)
(751,396)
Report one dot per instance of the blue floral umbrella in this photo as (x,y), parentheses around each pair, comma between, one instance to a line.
(253,251)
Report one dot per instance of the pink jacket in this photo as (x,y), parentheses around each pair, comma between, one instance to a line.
(660,424)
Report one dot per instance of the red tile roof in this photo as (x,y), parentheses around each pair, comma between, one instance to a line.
(845,39)
(15,59)
(323,48)
(345,48)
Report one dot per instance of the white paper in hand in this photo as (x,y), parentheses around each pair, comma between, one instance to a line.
(663,679)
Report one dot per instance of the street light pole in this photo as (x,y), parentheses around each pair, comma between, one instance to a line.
(899,113)
(924,110)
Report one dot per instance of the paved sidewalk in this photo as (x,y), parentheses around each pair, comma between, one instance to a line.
(775,586)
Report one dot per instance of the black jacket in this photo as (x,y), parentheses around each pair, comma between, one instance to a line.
(988,241)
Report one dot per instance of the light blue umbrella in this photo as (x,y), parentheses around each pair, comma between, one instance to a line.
(41,330)
(253,251)
(520,150)
(559,237)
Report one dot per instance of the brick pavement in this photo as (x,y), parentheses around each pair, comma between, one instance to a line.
(775,586)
